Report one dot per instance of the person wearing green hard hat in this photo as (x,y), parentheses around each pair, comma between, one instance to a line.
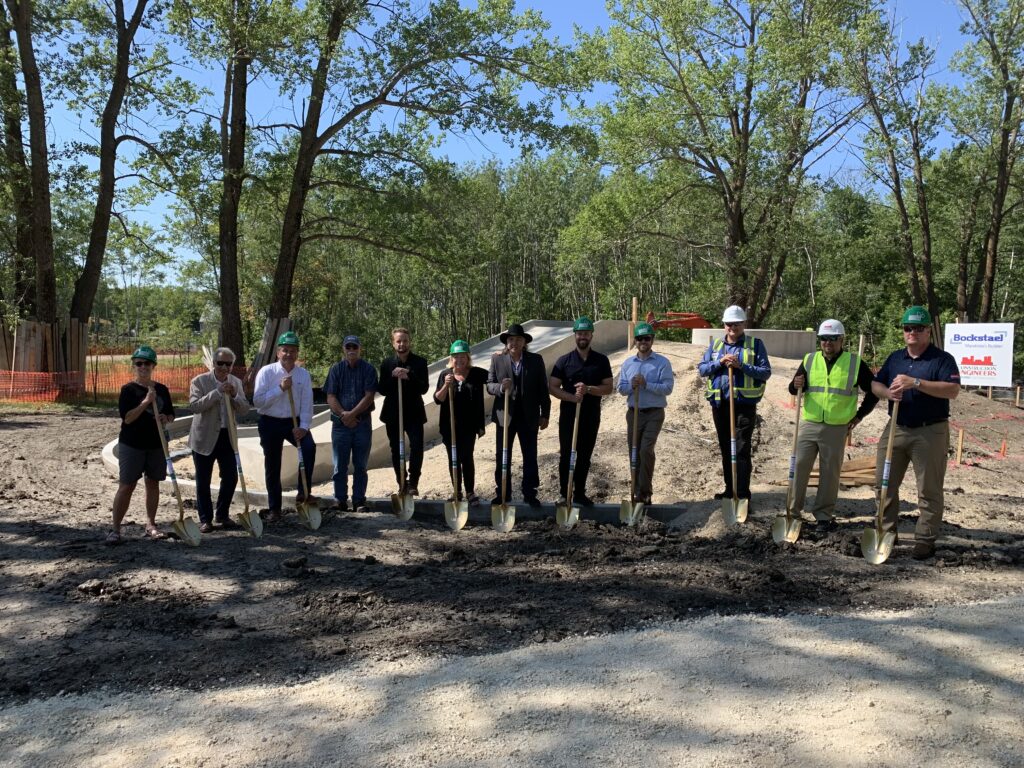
(923,379)
(411,369)
(581,376)
(270,397)
(462,385)
(139,450)
(648,377)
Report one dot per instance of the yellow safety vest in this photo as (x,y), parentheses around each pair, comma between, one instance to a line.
(831,396)
(747,387)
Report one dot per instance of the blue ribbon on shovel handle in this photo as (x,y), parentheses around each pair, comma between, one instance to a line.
(504,460)
(401,450)
(792,467)
(732,448)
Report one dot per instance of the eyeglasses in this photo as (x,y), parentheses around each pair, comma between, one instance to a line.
(829,338)
(351,346)
(224,363)
(644,338)
(733,325)
(915,328)
(142,363)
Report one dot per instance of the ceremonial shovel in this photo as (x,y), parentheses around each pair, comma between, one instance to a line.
(249,519)
(402,503)
(734,510)
(185,527)
(632,512)
(503,516)
(566,515)
(786,527)
(456,511)
(309,515)
(875,544)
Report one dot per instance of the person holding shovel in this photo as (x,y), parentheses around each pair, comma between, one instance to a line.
(923,378)
(411,369)
(464,383)
(748,360)
(648,377)
(829,379)
(139,450)
(350,388)
(270,396)
(581,376)
(210,395)
(524,375)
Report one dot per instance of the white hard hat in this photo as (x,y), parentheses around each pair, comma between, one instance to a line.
(831,328)
(734,314)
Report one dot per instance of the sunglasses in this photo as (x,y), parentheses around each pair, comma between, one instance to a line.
(223,363)
(142,363)
(829,338)
(733,325)
(915,328)
(351,346)
(645,338)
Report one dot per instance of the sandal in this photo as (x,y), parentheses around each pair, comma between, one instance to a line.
(155,534)
(113,538)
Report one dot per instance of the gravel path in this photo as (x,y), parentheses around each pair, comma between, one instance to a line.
(930,687)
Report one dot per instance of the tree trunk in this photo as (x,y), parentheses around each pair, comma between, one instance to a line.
(42,220)
(88,282)
(233,130)
(963,290)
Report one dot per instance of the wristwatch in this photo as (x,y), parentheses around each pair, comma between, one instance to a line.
(917,383)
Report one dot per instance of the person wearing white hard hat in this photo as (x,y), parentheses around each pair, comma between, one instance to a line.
(830,378)
(748,359)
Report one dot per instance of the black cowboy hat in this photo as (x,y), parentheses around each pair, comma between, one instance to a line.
(515,330)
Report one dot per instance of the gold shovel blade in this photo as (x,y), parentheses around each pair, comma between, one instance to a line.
(403,505)
(188,531)
(876,545)
(566,516)
(631,513)
(735,510)
(503,517)
(456,513)
(786,529)
(252,522)
(309,515)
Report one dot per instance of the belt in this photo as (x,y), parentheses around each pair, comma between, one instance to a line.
(651,410)
(923,424)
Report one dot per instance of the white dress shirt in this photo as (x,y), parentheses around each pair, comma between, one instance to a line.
(271,400)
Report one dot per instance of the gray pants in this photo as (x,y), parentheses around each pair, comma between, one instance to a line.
(823,442)
(649,426)
(926,449)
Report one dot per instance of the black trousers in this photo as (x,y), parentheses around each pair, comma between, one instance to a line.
(746,418)
(224,457)
(465,444)
(413,452)
(274,432)
(586,439)
(527,447)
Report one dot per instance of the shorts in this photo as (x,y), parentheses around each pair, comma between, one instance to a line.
(133,463)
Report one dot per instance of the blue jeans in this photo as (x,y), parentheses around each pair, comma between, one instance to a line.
(351,443)
(273,433)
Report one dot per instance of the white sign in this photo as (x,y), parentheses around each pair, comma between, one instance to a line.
(983,352)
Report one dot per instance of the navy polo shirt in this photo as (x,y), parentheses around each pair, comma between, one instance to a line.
(916,408)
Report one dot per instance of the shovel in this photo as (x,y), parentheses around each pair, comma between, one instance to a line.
(631,512)
(503,516)
(309,514)
(734,510)
(875,544)
(787,527)
(456,512)
(402,503)
(185,528)
(566,515)
(249,519)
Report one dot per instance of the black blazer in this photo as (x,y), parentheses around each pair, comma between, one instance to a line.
(535,397)
(469,405)
(413,390)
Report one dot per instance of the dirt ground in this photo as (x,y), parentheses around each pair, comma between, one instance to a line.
(78,617)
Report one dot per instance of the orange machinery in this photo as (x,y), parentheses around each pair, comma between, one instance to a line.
(677,320)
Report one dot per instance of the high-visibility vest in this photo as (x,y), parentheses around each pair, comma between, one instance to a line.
(831,396)
(747,388)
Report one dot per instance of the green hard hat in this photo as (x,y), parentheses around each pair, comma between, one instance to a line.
(643,329)
(916,315)
(145,353)
(583,324)
(288,338)
(458,347)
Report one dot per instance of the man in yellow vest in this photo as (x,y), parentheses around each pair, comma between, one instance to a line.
(830,379)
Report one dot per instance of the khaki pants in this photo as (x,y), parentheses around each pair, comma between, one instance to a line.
(926,449)
(649,426)
(823,442)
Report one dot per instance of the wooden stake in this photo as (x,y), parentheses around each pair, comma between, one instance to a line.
(990,393)
(632,323)
(960,447)
(1017,402)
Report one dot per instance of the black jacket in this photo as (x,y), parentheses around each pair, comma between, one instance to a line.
(535,399)
(469,405)
(413,390)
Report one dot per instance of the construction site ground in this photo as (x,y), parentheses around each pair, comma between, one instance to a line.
(373,642)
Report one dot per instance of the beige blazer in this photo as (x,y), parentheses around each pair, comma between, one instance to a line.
(204,399)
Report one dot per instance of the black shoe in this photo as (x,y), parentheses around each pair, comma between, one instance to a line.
(228,524)
(533,501)
(825,526)
(923,550)
(723,495)
(496,501)
(584,501)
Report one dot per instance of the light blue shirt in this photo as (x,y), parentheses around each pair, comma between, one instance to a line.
(271,400)
(657,371)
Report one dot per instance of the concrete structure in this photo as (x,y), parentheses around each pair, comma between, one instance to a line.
(792,345)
